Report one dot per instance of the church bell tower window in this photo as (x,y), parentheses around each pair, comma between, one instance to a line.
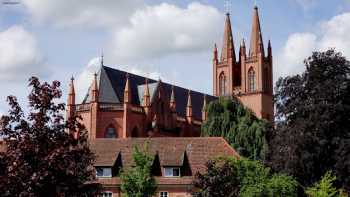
(251,80)
(222,84)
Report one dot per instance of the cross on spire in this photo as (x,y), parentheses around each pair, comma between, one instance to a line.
(227,6)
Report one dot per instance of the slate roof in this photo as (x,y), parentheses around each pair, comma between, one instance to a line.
(171,150)
(111,84)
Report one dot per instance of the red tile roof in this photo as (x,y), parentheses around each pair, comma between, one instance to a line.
(171,150)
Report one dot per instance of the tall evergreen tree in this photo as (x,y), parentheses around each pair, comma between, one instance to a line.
(313,132)
(41,158)
(228,118)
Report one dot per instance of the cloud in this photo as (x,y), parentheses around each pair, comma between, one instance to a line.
(87,13)
(333,33)
(305,4)
(160,30)
(20,56)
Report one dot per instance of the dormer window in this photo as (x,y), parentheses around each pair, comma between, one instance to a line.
(103,172)
(172,171)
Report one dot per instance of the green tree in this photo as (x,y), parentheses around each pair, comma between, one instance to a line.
(228,118)
(41,158)
(245,178)
(138,180)
(325,188)
(312,135)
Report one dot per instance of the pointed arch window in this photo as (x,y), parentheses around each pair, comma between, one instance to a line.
(111,132)
(222,84)
(251,80)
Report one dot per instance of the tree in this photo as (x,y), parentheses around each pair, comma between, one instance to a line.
(228,118)
(41,158)
(244,178)
(138,180)
(313,109)
(325,188)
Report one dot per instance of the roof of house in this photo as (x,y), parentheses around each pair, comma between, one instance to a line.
(170,150)
(111,83)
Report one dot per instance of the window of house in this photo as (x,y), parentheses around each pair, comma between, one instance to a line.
(222,84)
(111,133)
(172,172)
(103,172)
(251,80)
(163,194)
(107,194)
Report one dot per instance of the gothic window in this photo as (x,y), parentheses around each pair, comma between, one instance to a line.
(251,80)
(111,132)
(222,84)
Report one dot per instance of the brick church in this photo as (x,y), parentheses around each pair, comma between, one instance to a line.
(121,110)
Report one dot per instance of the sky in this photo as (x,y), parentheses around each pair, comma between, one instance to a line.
(172,40)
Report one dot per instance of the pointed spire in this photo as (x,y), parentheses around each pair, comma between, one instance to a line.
(172,99)
(215,53)
(71,94)
(242,48)
(189,106)
(127,90)
(146,95)
(204,111)
(94,89)
(228,49)
(269,49)
(102,57)
(256,41)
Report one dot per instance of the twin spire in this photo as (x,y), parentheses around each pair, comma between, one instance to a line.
(256,41)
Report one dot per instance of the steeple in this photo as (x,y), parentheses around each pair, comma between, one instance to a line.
(146,96)
(172,100)
(228,49)
(189,107)
(71,94)
(94,90)
(256,41)
(127,90)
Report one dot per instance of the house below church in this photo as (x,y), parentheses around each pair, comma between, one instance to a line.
(176,161)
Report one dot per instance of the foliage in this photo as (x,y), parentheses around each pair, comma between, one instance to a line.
(138,181)
(244,178)
(313,109)
(41,159)
(228,118)
(325,188)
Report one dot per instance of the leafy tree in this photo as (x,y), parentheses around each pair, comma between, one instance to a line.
(313,132)
(41,158)
(244,178)
(228,118)
(138,181)
(325,188)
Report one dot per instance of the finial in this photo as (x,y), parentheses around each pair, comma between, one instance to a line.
(227,7)
(243,42)
(255,5)
(72,78)
(102,64)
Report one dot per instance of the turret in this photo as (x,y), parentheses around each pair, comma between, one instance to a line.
(94,90)
(189,114)
(215,59)
(146,98)
(127,90)
(172,100)
(71,99)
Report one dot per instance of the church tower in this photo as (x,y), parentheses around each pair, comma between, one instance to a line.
(250,77)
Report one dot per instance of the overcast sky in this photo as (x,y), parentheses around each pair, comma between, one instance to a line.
(171,40)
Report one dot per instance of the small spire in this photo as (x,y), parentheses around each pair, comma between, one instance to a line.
(189,106)
(204,112)
(127,90)
(146,95)
(94,89)
(172,99)
(269,49)
(71,94)
(102,57)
